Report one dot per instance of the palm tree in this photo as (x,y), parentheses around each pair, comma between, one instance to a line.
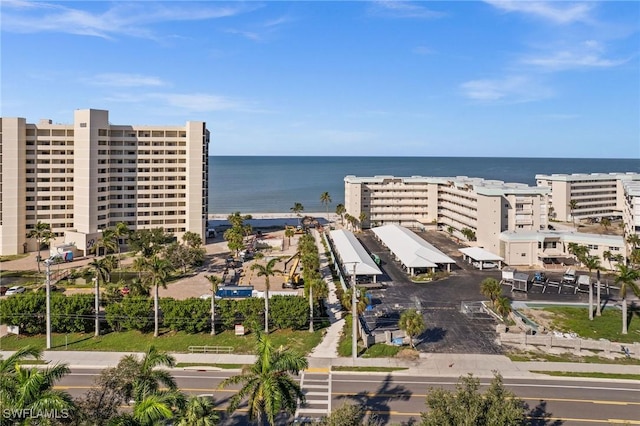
(8,367)
(580,252)
(491,288)
(503,306)
(325,199)
(340,211)
(633,240)
(266,271)
(412,323)
(215,282)
(200,411)
(605,222)
(608,256)
(157,272)
(108,242)
(361,218)
(297,209)
(361,304)
(42,234)
(593,263)
(626,278)
(33,390)
(268,384)
(147,376)
(573,205)
(289,233)
(121,231)
(101,274)
(157,408)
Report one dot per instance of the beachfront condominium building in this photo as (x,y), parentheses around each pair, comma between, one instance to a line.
(581,196)
(84,177)
(631,211)
(468,208)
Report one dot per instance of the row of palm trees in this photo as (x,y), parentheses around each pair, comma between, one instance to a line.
(150,390)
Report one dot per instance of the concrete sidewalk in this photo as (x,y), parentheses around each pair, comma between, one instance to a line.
(444,365)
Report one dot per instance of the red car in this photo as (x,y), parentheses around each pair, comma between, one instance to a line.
(124,291)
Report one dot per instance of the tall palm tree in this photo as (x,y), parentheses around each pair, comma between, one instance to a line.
(593,263)
(503,306)
(268,384)
(340,211)
(412,323)
(325,199)
(297,209)
(101,274)
(147,375)
(42,234)
(573,205)
(361,218)
(266,271)
(33,389)
(215,282)
(200,411)
(8,369)
(626,278)
(289,233)
(361,297)
(121,231)
(580,252)
(108,242)
(492,289)
(608,256)
(605,222)
(157,272)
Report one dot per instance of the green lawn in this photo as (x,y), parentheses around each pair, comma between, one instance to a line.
(13,257)
(608,326)
(368,369)
(379,350)
(134,341)
(567,357)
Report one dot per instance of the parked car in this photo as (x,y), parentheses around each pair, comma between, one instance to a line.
(17,289)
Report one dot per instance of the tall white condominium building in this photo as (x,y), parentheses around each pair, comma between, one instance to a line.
(631,212)
(455,204)
(87,176)
(594,195)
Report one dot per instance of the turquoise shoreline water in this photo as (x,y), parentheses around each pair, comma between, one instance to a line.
(273,184)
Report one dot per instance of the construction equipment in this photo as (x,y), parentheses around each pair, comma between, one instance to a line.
(293,278)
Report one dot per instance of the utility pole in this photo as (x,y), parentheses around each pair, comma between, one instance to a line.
(311,307)
(47,284)
(354,315)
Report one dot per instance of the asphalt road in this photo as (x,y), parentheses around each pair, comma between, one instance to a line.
(401,398)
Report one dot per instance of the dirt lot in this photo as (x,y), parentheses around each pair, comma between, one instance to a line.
(197,284)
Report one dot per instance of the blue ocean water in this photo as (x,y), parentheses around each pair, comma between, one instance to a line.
(273,184)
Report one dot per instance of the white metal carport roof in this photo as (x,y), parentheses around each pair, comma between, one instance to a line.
(351,251)
(480,254)
(413,251)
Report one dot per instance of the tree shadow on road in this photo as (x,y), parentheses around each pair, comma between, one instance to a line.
(538,416)
(377,402)
(432,335)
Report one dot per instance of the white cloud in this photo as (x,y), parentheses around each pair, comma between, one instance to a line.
(588,54)
(402,9)
(423,50)
(125,80)
(513,89)
(188,102)
(557,12)
(131,19)
(261,32)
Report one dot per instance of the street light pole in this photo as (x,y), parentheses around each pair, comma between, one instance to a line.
(47,264)
(354,315)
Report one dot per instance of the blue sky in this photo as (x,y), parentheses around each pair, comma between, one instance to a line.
(382,78)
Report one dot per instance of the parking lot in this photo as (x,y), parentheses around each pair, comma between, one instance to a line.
(448,328)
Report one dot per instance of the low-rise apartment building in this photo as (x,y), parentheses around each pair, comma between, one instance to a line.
(581,196)
(87,176)
(460,205)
